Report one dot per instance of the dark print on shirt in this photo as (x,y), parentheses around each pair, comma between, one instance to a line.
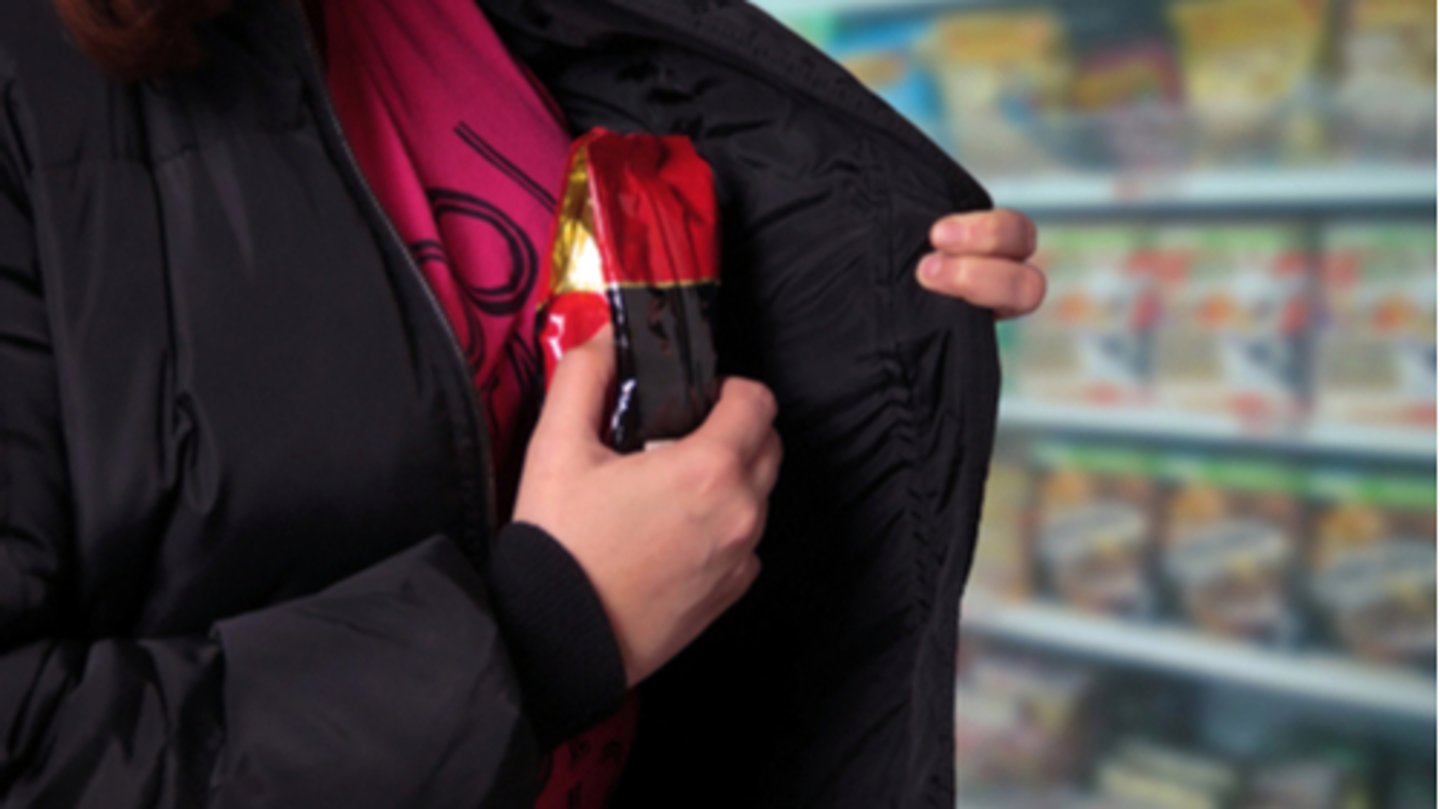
(493,156)
(454,208)
(472,342)
(510,296)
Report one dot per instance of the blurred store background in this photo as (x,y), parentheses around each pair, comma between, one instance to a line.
(1206,576)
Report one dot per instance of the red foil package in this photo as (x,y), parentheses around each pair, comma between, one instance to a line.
(635,246)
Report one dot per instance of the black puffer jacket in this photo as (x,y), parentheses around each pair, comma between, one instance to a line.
(246,550)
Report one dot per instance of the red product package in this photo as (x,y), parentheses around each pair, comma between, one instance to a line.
(635,245)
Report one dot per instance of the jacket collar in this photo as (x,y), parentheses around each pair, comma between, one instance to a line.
(733,31)
(729,30)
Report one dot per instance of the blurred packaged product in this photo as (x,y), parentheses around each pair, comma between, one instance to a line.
(1001,565)
(1094,530)
(1139,772)
(1088,344)
(1004,76)
(1131,92)
(1231,543)
(1042,732)
(1233,311)
(1035,729)
(1372,564)
(1252,78)
(1375,352)
(1022,721)
(1309,769)
(1127,94)
(883,56)
(818,26)
(1385,90)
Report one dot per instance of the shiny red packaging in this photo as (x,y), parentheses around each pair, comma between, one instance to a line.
(635,245)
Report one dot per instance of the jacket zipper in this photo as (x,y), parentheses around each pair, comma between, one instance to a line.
(461,368)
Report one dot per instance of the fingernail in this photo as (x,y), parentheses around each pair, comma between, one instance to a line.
(930,266)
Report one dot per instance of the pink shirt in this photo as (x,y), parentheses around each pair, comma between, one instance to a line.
(466,151)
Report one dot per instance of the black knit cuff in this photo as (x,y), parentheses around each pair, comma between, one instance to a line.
(560,639)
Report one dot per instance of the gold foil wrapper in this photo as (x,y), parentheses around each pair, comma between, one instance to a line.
(576,263)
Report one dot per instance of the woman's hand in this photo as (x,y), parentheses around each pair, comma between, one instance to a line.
(666,536)
(982,258)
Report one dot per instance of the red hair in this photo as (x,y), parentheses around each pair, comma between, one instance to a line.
(136,39)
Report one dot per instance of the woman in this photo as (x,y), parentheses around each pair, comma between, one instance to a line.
(248,496)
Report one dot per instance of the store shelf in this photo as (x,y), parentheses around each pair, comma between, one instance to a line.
(1335,680)
(1398,444)
(1022,798)
(1413,445)
(783,8)
(1019,800)
(1296,189)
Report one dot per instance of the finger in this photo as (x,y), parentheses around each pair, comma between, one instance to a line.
(1009,288)
(741,418)
(579,393)
(741,579)
(767,465)
(1000,233)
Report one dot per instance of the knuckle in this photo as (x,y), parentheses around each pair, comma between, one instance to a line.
(1029,290)
(961,272)
(715,468)
(752,394)
(765,401)
(1014,231)
(953,279)
(749,523)
(749,572)
(1031,232)
(1039,287)
(991,232)
(732,590)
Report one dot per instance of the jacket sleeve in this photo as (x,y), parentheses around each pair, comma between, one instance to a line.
(396,686)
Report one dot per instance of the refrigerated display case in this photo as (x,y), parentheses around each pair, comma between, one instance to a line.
(1206,567)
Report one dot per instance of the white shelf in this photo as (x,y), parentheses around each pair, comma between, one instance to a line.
(1329,678)
(1018,801)
(1029,798)
(786,8)
(1339,188)
(1413,445)
(1145,422)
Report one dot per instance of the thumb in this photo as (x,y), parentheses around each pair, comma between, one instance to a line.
(579,393)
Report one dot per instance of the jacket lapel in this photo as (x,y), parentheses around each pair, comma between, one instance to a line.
(830,684)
